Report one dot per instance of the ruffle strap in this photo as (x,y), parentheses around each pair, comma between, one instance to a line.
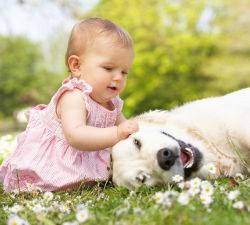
(71,84)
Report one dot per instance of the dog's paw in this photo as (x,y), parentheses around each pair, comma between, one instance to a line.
(142,177)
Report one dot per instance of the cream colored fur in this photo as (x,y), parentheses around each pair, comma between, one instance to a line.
(219,127)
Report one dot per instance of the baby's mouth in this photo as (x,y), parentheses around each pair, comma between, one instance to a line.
(113,87)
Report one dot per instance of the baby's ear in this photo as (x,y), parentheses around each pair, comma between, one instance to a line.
(74,66)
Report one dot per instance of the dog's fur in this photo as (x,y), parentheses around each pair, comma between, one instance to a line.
(218,127)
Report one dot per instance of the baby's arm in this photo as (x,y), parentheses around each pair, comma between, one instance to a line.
(72,112)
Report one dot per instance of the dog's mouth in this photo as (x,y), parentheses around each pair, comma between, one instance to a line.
(187,157)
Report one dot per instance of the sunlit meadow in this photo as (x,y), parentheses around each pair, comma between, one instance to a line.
(197,201)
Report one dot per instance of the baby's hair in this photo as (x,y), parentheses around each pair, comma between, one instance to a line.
(86,31)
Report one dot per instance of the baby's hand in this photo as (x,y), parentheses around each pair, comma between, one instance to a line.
(126,128)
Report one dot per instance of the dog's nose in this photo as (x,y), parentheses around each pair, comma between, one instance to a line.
(166,158)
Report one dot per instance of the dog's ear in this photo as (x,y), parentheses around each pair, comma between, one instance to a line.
(154,117)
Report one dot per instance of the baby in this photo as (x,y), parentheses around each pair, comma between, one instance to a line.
(67,142)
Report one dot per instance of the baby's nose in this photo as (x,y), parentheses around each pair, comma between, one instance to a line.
(118,76)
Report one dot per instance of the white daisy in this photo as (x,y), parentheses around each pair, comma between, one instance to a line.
(177,178)
(195,183)
(164,198)
(81,207)
(238,205)
(222,189)
(16,220)
(211,168)
(207,188)
(159,197)
(137,211)
(30,187)
(64,208)
(38,208)
(232,195)
(48,196)
(240,176)
(121,211)
(132,193)
(170,194)
(192,191)
(183,198)
(70,223)
(206,200)
(16,208)
(82,215)
(181,185)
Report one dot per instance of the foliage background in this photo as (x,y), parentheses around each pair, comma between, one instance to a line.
(177,59)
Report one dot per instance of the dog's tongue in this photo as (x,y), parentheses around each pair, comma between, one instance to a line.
(184,158)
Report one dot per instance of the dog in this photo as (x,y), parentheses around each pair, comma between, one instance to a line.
(185,140)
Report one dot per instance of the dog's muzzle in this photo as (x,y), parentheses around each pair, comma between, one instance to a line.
(166,158)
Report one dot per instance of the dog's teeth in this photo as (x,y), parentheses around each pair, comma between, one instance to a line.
(189,150)
(189,165)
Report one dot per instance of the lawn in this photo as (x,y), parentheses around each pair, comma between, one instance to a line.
(225,201)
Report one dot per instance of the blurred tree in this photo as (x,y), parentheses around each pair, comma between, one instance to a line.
(170,50)
(23,80)
(230,66)
(177,58)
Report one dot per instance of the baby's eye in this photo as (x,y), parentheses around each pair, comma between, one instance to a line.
(124,72)
(107,68)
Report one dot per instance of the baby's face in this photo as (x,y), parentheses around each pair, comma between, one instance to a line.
(105,67)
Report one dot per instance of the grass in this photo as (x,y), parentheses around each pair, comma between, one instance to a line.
(106,204)
(112,205)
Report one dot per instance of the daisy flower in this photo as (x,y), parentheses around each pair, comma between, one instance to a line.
(81,207)
(193,190)
(38,208)
(48,196)
(164,198)
(222,189)
(238,205)
(183,198)
(211,168)
(181,185)
(177,178)
(206,200)
(232,195)
(207,188)
(158,197)
(240,176)
(195,183)
(16,208)
(137,211)
(16,220)
(64,209)
(82,215)
(70,223)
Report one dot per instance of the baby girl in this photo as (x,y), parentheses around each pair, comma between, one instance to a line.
(67,142)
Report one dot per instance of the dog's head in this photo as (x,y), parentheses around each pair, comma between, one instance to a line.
(151,157)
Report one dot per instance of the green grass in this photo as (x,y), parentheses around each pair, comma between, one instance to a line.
(107,204)
(112,205)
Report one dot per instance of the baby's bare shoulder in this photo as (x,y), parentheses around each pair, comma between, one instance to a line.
(70,100)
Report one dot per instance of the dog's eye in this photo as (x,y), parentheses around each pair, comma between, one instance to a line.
(137,143)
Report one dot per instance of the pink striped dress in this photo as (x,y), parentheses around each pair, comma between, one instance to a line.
(44,158)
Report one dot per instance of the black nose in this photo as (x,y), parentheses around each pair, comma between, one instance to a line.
(166,158)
